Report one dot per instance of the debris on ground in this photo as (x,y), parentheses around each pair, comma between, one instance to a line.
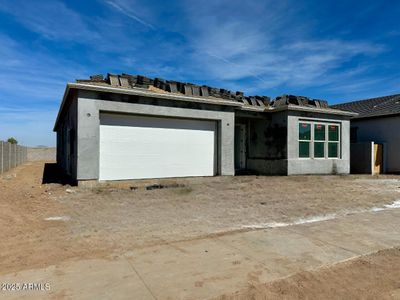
(164,186)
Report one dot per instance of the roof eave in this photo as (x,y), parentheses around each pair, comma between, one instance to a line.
(139,92)
(252,108)
(376,116)
(66,92)
(147,93)
(329,111)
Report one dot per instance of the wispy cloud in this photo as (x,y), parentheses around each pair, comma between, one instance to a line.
(259,47)
(264,52)
(127,11)
(33,75)
(52,19)
(31,87)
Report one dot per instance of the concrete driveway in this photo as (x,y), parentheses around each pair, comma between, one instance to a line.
(209,267)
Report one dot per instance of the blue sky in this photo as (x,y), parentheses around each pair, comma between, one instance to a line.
(333,50)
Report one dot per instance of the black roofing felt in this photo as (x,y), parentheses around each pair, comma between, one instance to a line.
(374,107)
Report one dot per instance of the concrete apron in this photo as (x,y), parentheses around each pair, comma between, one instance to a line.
(213,266)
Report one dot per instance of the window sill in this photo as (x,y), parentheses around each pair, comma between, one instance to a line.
(318,158)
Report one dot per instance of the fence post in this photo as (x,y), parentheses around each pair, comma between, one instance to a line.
(5,156)
(1,157)
(15,155)
(12,160)
(19,154)
(9,156)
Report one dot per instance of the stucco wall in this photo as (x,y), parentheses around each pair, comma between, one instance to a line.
(89,109)
(68,124)
(273,137)
(298,165)
(383,130)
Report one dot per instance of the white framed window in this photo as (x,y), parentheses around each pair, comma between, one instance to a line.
(319,140)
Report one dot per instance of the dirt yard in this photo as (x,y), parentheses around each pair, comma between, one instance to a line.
(45,224)
(373,276)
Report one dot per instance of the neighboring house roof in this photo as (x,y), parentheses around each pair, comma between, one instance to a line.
(179,91)
(372,108)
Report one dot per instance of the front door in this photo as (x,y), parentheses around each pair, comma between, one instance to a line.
(240,146)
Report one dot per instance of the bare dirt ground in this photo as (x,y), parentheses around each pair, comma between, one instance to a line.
(374,276)
(27,239)
(97,223)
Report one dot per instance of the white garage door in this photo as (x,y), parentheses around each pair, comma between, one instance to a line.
(135,147)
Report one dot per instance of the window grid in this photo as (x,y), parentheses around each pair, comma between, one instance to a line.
(327,141)
(305,141)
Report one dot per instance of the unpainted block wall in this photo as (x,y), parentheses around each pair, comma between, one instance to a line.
(42,154)
(11,156)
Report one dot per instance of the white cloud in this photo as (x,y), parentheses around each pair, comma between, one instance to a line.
(31,88)
(259,47)
(127,10)
(267,42)
(50,18)
(26,72)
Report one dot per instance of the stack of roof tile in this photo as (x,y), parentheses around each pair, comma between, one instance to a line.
(298,100)
(190,89)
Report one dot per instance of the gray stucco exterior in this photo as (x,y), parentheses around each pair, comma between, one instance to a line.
(382,130)
(298,165)
(89,105)
(67,153)
(271,136)
(274,147)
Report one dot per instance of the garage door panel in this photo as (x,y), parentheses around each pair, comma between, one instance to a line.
(148,147)
(155,122)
